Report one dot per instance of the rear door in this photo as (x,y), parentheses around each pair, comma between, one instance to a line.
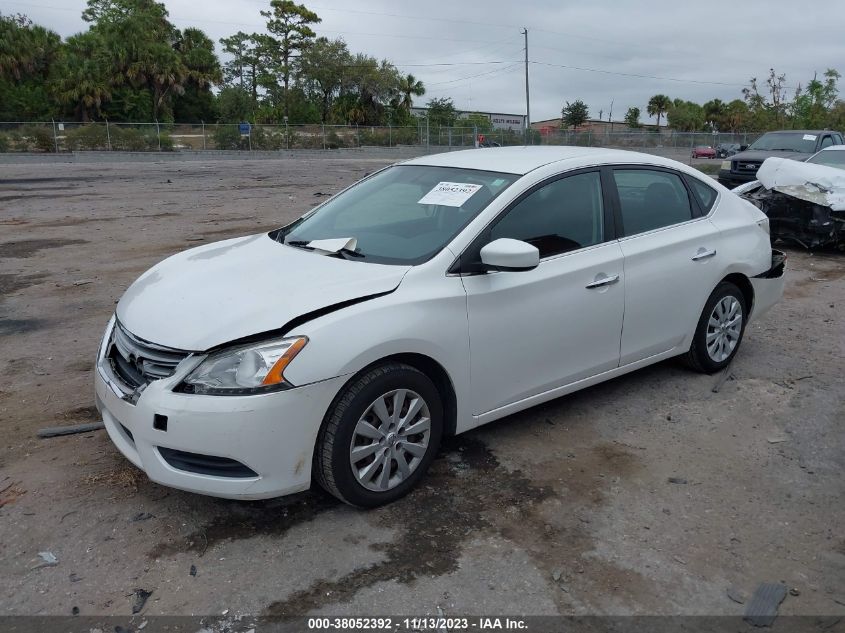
(672,257)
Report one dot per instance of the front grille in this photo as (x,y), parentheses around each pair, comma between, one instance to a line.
(745,166)
(137,362)
(206,464)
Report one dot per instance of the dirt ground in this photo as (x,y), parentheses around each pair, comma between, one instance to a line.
(566,508)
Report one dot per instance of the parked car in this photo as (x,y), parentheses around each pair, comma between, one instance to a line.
(703,151)
(338,347)
(832,156)
(723,150)
(793,144)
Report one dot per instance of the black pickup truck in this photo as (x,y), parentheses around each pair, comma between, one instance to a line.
(794,144)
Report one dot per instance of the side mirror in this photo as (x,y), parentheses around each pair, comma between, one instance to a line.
(506,254)
(742,148)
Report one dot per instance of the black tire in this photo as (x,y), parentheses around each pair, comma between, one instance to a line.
(698,358)
(332,467)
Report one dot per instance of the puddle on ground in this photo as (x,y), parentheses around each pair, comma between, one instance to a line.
(28,248)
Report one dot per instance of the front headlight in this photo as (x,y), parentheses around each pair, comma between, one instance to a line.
(249,369)
(726,164)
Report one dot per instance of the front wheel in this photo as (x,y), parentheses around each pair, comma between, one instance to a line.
(379,436)
(720,329)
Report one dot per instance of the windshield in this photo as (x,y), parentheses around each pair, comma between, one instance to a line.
(786,142)
(402,215)
(831,158)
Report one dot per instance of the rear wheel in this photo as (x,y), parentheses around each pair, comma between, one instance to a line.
(720,329)
(380,436)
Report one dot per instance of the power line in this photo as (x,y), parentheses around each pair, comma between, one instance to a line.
(621,74)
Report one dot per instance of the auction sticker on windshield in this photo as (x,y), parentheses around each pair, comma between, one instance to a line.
(449,194)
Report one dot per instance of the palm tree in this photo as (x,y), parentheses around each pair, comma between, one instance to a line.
(658,105)
(409,87)
(81,76)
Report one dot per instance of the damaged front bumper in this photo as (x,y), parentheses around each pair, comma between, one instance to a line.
(805,203)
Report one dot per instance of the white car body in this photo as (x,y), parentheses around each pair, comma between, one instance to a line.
(499,342)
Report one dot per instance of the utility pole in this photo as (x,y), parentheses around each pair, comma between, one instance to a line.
(527,93)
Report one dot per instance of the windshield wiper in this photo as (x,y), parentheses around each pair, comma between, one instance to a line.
(343,253)
(299,244)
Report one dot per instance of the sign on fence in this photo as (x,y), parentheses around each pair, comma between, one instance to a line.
(244,129)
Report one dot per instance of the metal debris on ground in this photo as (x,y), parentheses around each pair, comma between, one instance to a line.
(141,597)
(677,480)
(141,516)
(56,431)
(49,559)
(763,607)
(736,595)
(726,373)
(193,571)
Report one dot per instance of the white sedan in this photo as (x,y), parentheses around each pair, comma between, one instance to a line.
(431,297)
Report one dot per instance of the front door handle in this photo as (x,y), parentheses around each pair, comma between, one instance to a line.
(703,254)
(604,281)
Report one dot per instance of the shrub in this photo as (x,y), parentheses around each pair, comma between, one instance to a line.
(229,137)
(266,140)
(87,137)
(4,142)
(35,138)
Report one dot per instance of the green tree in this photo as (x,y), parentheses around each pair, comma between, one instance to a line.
(736,116)
(196,103)
(290,24)
(28,55)
(409,87)
(323,67)
(234,104)
(715,114)
(480,122)
(632,117)
(811,107)
(574,114)
(685,116)
(657,106)
(442,112)
(81,78)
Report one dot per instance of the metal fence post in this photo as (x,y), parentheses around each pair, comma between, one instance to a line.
(55,136)
(358,135)
(287,135)
(108,135)
(427,133)
(389,135)
(158,135)
(324,136)
(203,134)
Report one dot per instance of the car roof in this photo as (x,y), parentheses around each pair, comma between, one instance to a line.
(526,158)
(799,131)
(835,148)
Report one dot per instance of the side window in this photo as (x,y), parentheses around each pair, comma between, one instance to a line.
(827,141)
(837,139)
(565,215)
(705,194)
(651,199)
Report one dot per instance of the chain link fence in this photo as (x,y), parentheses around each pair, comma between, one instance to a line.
(57,137)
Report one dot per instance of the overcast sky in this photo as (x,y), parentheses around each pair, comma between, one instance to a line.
(674,48)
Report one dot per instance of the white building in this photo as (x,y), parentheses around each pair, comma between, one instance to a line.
(500,121)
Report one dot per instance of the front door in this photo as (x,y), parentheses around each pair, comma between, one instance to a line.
(532,331)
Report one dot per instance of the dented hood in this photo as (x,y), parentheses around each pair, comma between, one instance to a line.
(818,184)
(220,292)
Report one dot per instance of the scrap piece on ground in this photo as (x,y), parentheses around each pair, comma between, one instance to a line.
(762,609)
(56,431)
(141,597)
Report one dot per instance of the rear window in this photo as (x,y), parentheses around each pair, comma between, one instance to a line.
(705,194)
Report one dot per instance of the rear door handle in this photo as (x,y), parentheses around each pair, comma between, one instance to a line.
(604,281)
(703,254)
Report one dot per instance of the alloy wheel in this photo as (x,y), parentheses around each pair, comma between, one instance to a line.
(390,439)
(724,328)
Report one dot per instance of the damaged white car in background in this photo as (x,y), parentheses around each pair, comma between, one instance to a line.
(805,201)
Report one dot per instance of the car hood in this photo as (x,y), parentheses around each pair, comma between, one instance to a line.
(760,156)
(221,292)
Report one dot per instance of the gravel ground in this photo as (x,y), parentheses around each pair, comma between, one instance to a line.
(565,508)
